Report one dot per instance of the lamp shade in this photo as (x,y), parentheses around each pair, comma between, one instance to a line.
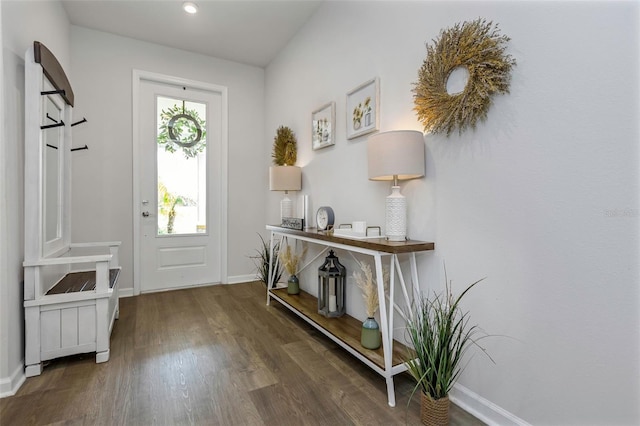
(396,153)
(285,178)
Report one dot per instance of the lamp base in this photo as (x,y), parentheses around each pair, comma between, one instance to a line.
(286,207)
(396,215)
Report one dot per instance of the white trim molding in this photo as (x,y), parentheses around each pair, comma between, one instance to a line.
(125,292)
(10,385)
(482,408)
(237,279)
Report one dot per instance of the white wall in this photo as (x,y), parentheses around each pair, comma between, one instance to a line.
(22,23)
(542,198)
(102,176)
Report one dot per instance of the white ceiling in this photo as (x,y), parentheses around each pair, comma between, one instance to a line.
(246,31)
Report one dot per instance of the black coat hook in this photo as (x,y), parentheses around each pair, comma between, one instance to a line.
(54,92)
(79,149)
(49,126)
(51,146)
(51,118)
(84,120)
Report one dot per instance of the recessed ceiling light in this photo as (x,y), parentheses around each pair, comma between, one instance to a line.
(190,8)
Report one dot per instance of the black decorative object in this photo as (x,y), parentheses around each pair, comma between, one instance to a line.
(53,92)
(50,126)
(332,276)
(292,223)
(84,120)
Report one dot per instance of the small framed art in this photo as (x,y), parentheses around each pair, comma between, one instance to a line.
(363,109)
(323,126)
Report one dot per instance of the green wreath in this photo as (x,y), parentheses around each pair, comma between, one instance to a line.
(182,128)
(476,46)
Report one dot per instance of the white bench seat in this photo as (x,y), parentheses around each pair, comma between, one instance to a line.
(73,314)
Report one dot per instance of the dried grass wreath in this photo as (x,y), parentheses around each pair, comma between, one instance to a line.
(476,46)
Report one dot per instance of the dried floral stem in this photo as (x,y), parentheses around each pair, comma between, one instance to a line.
(365,281)
(290,259)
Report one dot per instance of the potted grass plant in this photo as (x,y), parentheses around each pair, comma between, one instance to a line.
(440,335)
(263,260)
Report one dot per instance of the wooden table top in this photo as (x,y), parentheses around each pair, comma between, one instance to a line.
(377,244)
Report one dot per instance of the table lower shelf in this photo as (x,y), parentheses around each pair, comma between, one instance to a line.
(345,328)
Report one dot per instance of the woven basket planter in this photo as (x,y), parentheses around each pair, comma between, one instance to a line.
(434,412)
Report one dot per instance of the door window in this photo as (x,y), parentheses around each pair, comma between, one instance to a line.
(181,166)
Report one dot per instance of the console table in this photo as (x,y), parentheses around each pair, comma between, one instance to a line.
(345,331)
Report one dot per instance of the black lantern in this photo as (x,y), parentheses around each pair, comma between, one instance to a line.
(331,287)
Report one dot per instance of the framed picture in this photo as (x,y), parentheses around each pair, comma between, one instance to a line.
(323,126)
(363,109)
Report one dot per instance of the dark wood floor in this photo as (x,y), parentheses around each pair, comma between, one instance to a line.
(216,356)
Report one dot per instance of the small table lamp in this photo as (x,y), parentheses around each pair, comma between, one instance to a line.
(285,178)
(396,155)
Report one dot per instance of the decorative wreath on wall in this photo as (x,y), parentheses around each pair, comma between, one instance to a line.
(476,46)
(182,128)
(285,147)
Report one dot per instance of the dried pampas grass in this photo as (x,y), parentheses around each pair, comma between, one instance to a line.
(369,287)
(290,259)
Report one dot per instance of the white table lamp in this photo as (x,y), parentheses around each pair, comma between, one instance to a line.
(396,155)
(285,178)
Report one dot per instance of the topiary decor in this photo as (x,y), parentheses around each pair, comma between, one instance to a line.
(285,148)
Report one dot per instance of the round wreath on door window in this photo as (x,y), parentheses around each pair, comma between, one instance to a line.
(479,48)
(182,128)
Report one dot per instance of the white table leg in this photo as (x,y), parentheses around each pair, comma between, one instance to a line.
(414,278)
(387,334)
(270,277)
(391,393)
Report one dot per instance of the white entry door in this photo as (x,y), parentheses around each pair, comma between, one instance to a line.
(181,131)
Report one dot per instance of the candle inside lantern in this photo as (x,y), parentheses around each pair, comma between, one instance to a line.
(333,306)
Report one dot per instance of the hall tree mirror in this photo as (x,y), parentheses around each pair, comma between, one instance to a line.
(52,141)
(48,108)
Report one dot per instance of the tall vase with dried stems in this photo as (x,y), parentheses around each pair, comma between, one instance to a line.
(290,260)
(370,337)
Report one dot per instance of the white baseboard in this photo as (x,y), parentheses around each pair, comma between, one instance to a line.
(483,409)
(10,385)
(125,292)
(128,292)
(241,279)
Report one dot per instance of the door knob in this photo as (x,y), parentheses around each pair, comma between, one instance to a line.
(145,214)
